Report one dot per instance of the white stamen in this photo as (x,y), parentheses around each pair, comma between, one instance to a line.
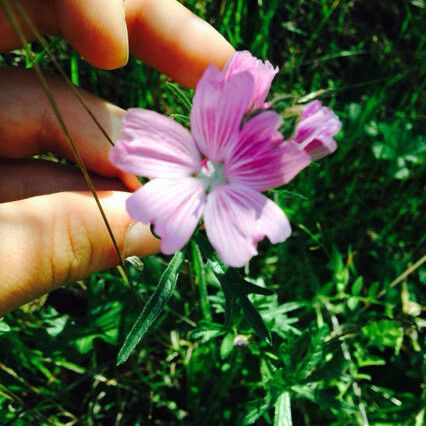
(211,174)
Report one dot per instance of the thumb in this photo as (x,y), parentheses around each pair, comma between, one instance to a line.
(57,238)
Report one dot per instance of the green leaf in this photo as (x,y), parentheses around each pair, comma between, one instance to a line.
(84,344)
(357,286)
(235,286)
(384,333)
(153,308)
(396,144)
(255,320)
(282,415)
(4,327)
(373,290)
(352,303)
(56,325)
(233,278)
(229,301)
(208,331)
(227,345)
(244,287)
(314,354)
(255,410)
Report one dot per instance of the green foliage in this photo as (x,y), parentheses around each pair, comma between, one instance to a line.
(396,144)
(326,328)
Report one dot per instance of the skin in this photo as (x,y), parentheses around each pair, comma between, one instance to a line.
(51,231)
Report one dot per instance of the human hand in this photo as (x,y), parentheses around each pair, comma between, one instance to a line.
(162,33)
(51,231)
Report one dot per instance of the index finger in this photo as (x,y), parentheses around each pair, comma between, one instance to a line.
(170,38)
(162,33)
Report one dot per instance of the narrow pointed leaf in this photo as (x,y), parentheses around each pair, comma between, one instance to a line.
(255,320)
(235,286)
(153,307)
(243,287)
(282,415)
(230,295)
(237,282)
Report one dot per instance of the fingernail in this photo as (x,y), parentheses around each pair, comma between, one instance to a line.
(140,241)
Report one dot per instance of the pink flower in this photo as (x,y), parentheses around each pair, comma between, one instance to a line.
(315,130)
(216,172)
(262,72)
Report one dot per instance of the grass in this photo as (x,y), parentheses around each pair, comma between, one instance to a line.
(346,312)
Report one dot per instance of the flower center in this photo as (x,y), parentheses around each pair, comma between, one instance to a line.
(211,174)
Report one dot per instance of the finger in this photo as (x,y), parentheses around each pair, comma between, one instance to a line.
(170,38)
(163,33)
(96,29)
(28,125)
(59,238)
(21,179)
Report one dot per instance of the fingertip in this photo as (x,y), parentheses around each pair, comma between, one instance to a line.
(130,181)
(140,241)
(115,58)
(170,38)
(212,49)
(99,34)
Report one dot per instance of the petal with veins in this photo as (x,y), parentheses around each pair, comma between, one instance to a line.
(262,159)
(174,207)
(237,218)
(315,130)
(217,111)
(262,72)
(155,146)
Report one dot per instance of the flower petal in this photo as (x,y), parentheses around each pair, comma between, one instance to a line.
(261,158)
(217,111)
(155,146)
(262,72)
(316,129)
(237,218)
(174,207)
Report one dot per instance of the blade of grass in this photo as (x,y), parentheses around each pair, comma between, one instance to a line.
(75,78)
(38,58)
(405,274)
(179,95)
(347,355)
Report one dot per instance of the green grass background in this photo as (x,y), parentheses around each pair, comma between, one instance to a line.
(346,316)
